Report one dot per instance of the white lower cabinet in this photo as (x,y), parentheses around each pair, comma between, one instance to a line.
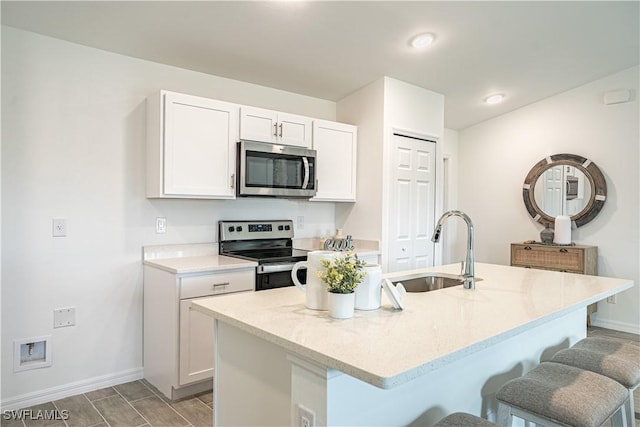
(336,145)
(178,340)
(196,353)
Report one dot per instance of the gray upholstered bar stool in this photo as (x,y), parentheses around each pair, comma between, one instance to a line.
(613,359)
(461,419)
(553,394)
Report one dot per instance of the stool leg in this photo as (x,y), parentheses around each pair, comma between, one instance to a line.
(619,417)
(504,418)
(630,412)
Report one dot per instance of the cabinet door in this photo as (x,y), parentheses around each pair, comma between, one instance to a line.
(336,146)
(294,130)
(257,124)
(196,344)
(199,147)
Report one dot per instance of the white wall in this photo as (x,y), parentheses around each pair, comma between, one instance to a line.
(73,134)
(454,240)
(495,157)
(365,108)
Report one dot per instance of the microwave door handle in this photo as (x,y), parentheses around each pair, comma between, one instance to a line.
(305,181)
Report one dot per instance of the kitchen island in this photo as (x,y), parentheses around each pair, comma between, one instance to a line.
(448,350)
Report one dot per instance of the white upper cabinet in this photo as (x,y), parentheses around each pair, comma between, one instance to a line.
(336,145)
(257,124)
(191,147)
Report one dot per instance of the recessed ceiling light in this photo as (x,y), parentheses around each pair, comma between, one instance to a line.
(494,99)
(422,40)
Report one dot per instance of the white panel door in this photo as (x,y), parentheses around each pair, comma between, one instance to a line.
(199,146)
(553,191)
(412,211)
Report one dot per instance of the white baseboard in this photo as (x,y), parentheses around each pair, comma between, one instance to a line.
(616,326)
(71,389)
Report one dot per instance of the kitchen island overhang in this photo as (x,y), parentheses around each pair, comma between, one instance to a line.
(518,311)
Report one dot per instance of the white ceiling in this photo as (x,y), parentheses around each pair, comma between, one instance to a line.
(327,49)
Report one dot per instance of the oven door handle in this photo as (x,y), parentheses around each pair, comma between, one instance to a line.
(305,182)
(274,268)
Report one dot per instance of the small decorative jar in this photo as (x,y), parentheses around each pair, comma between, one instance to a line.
(546,235)
(369,291)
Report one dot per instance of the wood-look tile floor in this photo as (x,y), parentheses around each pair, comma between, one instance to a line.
(126,405)
(139,404)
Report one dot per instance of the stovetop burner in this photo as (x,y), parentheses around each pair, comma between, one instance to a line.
(262,241)
(270,256)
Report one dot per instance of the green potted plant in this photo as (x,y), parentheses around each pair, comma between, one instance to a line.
(342,274)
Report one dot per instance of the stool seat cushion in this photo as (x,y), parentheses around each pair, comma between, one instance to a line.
(611,366)
(461,419)
(565,395)
(616,360)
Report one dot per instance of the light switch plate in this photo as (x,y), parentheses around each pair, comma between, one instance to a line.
(161,225)
(64,317)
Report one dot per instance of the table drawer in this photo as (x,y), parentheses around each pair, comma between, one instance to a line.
(555,258)
(218,283)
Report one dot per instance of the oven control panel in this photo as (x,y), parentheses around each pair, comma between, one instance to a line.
(250,230)
(258,228)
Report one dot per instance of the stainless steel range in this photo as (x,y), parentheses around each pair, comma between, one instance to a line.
(270,243)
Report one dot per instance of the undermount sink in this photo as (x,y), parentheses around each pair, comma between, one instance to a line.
(431,282)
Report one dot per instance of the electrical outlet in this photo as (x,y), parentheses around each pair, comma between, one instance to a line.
(161,225)
(306,417)
(612,299)
(59,227)
(300,222)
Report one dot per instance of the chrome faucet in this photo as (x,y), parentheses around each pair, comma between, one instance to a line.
(467,266)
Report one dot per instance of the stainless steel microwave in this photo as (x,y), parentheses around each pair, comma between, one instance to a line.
(272,170)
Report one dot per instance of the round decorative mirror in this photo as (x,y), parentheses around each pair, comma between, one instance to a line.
(564,184)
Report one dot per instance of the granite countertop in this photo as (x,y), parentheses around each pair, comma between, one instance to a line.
(191,258)
(203,257)
(201,264)
(387,348)
(361,247)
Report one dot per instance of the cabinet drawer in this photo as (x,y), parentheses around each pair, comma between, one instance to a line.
(219,283)
(553,258)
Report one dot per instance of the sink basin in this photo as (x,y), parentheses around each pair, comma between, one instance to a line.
(431,282)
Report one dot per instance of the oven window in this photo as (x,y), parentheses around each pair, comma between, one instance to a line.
(268,170)
(280,279)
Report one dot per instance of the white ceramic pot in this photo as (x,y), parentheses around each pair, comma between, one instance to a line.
(341,305)
(369,291)
(562,232)
(315,288)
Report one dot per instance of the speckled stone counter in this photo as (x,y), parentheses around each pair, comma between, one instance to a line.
(513,314)
(386,347)
(191,258)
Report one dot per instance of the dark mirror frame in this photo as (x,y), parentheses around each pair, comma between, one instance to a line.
(591,171)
